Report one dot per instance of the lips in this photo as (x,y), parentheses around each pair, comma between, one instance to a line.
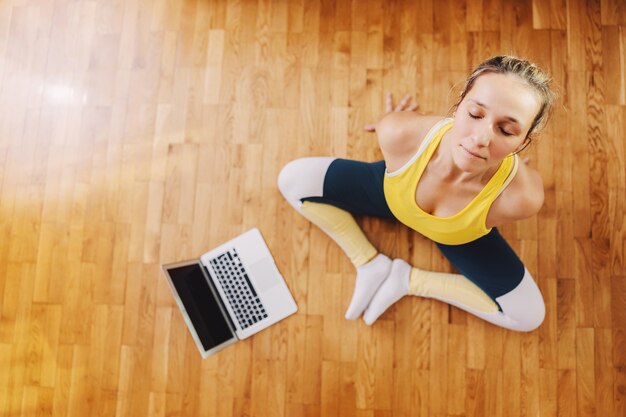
(474,154)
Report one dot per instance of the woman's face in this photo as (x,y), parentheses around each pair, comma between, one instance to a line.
(492,121)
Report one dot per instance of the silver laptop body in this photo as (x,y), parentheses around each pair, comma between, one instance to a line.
(230,293)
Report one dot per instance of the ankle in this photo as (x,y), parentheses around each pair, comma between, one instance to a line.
(376,260)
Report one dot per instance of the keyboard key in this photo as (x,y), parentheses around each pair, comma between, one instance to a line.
(241,294)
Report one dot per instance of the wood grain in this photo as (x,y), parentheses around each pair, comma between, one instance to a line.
(141,132)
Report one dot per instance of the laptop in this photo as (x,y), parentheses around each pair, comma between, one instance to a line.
(230,293)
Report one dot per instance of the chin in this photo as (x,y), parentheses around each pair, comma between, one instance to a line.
(467,164)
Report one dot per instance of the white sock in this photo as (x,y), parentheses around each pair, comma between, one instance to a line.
(394,288)
(369,276)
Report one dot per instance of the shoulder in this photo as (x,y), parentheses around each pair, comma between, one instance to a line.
(523,197)
(401,133)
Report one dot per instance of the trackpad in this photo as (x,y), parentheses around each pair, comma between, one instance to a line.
(265,274)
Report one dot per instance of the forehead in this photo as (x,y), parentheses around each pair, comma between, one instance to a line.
(505,95)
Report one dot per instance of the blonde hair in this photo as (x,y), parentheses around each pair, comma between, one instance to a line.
(535,77)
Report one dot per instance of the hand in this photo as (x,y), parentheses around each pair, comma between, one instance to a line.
(389,108)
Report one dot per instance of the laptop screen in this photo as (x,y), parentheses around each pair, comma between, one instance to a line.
(201,306)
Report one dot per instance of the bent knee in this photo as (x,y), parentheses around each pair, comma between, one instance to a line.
(533,317)
(524,305)
(302,178)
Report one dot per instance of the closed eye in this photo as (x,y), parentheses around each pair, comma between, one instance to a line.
(504,132)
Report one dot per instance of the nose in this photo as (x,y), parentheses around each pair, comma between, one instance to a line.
(484,136)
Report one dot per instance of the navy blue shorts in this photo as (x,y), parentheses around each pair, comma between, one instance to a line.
(357,187)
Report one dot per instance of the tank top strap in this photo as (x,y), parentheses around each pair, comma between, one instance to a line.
(511,175)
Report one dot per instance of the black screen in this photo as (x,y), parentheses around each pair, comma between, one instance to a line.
(201,305)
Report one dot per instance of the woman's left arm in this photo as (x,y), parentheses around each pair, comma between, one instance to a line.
(523,198)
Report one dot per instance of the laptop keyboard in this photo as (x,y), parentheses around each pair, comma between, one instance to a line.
(240,293)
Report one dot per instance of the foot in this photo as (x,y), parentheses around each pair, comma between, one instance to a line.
(369,276)
(394,288)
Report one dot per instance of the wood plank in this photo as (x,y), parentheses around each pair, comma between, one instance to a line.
(138,133)
(585,366)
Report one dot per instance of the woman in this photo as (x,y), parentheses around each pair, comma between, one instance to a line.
(454,180)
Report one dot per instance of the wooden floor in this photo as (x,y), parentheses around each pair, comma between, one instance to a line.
(140,132)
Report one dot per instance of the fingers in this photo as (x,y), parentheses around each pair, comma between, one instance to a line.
(403,103)
(413,107)
(402,106)
(369,128)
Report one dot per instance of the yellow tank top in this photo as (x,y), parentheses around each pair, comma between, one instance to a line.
(465,226)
